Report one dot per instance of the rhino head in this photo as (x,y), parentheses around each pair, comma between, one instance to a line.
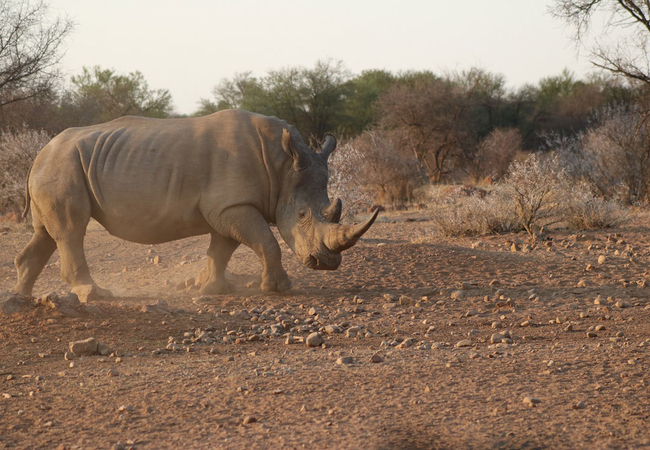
(306,218)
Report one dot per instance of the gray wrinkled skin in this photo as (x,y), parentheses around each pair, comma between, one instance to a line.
(229,174)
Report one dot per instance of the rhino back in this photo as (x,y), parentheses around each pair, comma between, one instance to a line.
(156,180)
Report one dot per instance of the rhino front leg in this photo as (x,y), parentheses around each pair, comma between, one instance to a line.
(245,224)
(212,278)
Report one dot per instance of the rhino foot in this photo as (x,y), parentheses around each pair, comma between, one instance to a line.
(279,284)
(215,288)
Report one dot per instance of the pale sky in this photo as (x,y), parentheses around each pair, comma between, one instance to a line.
(189,46)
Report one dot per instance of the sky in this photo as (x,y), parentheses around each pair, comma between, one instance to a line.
(188,46)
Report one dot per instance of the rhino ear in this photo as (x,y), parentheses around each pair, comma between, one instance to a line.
(299,159)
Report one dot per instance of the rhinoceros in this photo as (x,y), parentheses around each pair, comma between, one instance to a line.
(230,174)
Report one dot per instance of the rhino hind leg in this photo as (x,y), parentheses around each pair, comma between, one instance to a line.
(32,259)
(246,225)
(212,278)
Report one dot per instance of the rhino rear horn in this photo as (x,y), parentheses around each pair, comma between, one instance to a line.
(342,237)
(333,212)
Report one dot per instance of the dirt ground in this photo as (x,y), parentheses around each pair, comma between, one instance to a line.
(579,347)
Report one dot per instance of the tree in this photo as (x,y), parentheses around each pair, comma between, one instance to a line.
(628,57)
(30,50)
(99,95)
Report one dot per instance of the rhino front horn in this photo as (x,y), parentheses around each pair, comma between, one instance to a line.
(342,237)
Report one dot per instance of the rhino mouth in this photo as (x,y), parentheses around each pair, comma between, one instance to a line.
(322,262)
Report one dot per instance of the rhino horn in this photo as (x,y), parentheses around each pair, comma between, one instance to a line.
(342,237)
(328,147)
(333,212)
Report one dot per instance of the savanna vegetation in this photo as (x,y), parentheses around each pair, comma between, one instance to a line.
(403,134)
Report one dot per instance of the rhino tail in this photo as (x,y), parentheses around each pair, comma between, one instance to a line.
(27,196)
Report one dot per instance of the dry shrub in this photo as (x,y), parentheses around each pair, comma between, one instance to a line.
(18,148)
(535,194)
(387,172)
(477,216)
(583,210)
(346,182)
(535,185)
(495,153)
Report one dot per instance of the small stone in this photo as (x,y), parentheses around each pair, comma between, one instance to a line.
(457,295)
(112,372)
(85,347)
(465,285)
(578,405)
(68,356)
(312,311)
(620,304)
(249,419)
(344,360)
(581,284)
(352,332)
(125,408)
(600,328)
(525,323)
(496,338)
(602,259)
(314,340)
(376,358)
(464,343)
(591,334)
(532,401)
(497,324)
(103,349)
(620,334)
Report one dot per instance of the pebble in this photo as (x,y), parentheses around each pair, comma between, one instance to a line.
(496,338)
(602,259)
(249,419)
(525,323)
(578,405)
(464,343)
(112,372)
(85,347)
(376,358)
(314,340)
(344,360)
(532,401)
(591,334)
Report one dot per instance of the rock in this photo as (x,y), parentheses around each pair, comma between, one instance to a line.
(578,405)
(160,307)
(13,303)
(352,332)
(85,347)
(591,334)
(344,360)
(314,340)
(112,372)
(465,285)
(312,311)
(249,419)
(68,356)
(376,358)
(103,349)
(602,259)
(89,292)
(464,343)
(457,295)
(532,401)
(568,328)
(620,304)
(157,259)
(333,329)
(497,324)
(581,284)
(525,323)
(496,338)
(92,309)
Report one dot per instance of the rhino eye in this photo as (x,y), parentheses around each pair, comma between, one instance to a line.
(302,214)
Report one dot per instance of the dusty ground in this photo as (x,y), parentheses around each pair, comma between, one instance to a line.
(431,394)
